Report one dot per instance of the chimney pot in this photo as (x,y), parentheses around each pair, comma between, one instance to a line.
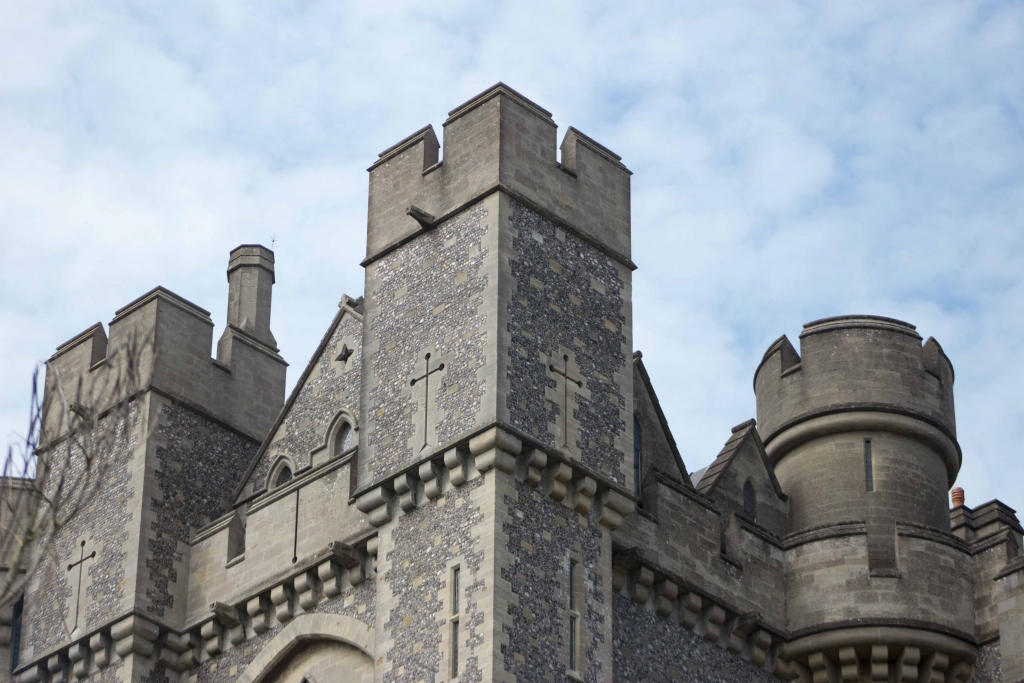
(958,496)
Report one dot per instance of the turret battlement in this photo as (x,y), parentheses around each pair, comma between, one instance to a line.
(855,364)
(171,340)
(499,140)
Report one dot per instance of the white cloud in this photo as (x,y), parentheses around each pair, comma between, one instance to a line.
(792,161)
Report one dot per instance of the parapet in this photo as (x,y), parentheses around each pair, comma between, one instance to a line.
(499,140)
(856,363)
(172,340)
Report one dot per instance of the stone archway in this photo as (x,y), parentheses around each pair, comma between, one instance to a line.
(316,647)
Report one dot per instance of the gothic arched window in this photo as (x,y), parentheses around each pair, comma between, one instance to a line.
(283,477)
(343,439)
(749,502)
(638,442)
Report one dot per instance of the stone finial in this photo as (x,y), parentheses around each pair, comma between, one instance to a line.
(958,496)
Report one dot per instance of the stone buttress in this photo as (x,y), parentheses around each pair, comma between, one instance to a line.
(193,426)
(497,396)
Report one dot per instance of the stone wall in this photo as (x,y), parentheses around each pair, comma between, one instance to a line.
(197,466)
(329,385)
(417,556)
(104,523)
(571,300)
(651,648)
(541,538)
(426,297)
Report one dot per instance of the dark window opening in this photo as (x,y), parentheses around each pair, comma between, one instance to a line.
(749,502)
(19,607)
(343,439)
(869,467)
(638,441)
(284,477)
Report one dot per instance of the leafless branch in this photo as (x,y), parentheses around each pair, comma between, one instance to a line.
(54,471)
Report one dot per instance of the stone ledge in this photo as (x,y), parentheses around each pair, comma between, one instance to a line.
(497,448)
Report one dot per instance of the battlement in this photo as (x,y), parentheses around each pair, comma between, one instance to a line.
(855,363)
(172,340)
(499,140)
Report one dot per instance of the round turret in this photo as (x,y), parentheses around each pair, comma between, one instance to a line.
(866,408)
(860,429)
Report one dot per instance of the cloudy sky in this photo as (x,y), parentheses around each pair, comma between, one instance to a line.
(792,161)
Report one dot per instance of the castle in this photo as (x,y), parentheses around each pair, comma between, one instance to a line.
(473,479)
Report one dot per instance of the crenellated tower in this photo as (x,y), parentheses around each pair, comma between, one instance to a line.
(497,392)
(861,431)
(122,564)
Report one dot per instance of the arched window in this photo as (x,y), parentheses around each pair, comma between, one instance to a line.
(343,439)
(749,502)
(283,477)
(638,441)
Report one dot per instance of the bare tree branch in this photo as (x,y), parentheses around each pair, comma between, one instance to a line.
(55,470)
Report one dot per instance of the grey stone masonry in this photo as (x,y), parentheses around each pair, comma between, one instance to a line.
(473,479)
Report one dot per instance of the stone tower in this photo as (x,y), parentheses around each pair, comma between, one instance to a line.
(195,423)
(496,437)
(861,432)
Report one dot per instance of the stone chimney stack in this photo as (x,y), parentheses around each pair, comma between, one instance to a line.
(250,283)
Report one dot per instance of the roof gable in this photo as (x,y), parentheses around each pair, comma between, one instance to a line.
(340,345)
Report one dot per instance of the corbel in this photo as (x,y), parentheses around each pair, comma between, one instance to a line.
(377,505)
(690,610)
(667,591)
(134,635)
(709,626)
(281,596)
(906,664)
(849,664)
(495,449)
(99,643)
(531,467)
(306,590)
(80,656)
(614,507)
(58,667)
(408,487)
(259,613)
(432,474)
(643,579)
(229,617)
(583,489)
(458,468)
(556,478)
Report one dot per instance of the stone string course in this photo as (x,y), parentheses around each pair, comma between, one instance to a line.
(568,296)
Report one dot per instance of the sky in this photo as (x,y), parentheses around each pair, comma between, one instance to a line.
(791,161)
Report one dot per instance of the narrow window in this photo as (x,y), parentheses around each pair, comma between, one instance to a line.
(454,620)
(574,616)
(16,632)
(749,502)
(638,441)
(284,477)
(343,439)
(869,474)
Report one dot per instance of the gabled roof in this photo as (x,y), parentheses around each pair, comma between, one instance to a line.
(741,435)
(346,305)
(639,364)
